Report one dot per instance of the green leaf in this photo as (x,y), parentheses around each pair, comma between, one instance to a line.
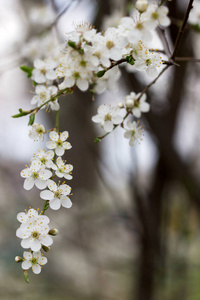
(21,113)
(27,70)
(130,60)
(72,44)
(31,119)
(26,276)
(97,140)
(101,73)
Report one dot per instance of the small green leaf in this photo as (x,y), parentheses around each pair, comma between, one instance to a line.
(31,119)
(81,51)
(130,60)
(21,113)
(26,276)
(101,73)
(72,44)
(27,70)
(97,140)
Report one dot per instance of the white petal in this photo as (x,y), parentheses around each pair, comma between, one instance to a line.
(52,185)
(54,136)
(60,151)
(108,126)
(22,217)
(82,84)
(40,184)
(97,119)
(51,145)
(47,195)
(28,183)
(26,173)
(66,202)
(26,265)
(55,204)
(66,189)
(26,243)
(117,119)
(44,175)
(39,64)
(64,135)
(42,260)
(46,240)
(27,255)
(36,269)
(36,245)
(67,145)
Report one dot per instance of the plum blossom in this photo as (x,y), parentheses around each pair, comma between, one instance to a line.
(44,94)
(34,231)
(108,117)
(137,106)
(35,175)
(37,132)
(134,132)
(44,158)
(33,260)
(63,170)
(58,143)
(44,70)
(57,195)
(155,15)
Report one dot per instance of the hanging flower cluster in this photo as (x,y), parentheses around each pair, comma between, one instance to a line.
(45,166)
(89,60)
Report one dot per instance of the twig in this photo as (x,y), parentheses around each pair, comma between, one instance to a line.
(181,30)
(152,82)
(191,59)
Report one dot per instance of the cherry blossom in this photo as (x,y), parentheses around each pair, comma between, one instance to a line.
(33,260)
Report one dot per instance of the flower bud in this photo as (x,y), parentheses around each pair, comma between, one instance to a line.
(45,248)
(53,231)
(141,5)
(120,105)
(129,103)
(18,259)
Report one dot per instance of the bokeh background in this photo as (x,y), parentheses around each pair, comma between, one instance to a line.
(134,229)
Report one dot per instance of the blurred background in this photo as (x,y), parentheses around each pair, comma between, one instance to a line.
(133,231)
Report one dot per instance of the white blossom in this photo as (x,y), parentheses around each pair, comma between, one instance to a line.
(58,143)
(63,170)
(134,132)
(137,106)
(108,81)
(33,260)
(44,94)
(35,175)
(44,158)
(44,70)
(108,117)
(33,231)
(57,195)
(155,15)
(37,132)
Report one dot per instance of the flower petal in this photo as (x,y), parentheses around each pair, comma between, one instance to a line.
(28,183)
(47,195)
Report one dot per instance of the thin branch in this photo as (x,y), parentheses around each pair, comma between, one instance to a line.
(191,59)
(181,30)
(162,35)
(152,82)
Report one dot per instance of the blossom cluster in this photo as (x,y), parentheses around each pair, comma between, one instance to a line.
(34,229)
